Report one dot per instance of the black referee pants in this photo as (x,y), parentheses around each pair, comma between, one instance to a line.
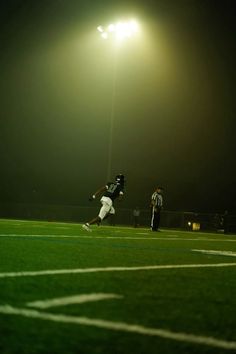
(155,219)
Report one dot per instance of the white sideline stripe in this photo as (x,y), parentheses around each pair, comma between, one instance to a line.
(112,269)
(166,238)
(92,237)
(120,326)
(69,300)
(217,253)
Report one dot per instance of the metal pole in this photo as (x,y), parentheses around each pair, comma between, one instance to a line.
(112,117)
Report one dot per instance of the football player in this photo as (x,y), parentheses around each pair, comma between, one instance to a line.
(109,192)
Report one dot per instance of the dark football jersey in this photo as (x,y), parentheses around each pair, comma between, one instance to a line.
(113,190)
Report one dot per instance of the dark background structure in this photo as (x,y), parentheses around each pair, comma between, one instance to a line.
(174,121)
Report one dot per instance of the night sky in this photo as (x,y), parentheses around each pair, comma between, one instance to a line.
(174,103)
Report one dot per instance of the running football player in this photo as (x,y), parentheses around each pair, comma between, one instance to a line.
(109,192)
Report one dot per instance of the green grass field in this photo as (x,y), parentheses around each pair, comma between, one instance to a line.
(116,290)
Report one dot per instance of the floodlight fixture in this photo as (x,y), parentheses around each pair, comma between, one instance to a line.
(100,29)
(120,30)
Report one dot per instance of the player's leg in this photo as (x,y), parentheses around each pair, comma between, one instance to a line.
(106,205)
(153,219)
(105,209)
(95,220)
(112,214)
(158,217)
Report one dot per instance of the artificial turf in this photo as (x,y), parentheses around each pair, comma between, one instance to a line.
(199,301)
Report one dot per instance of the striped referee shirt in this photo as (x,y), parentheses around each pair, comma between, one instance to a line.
(157,200)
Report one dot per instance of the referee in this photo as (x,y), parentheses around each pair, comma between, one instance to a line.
(156,206)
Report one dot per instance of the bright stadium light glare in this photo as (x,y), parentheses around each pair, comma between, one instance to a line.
(111,27)
(133,26)
(100,29)
(120,30)
(104,35)
(123,30)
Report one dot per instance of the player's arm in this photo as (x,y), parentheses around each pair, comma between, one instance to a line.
(120,197)
(98,192)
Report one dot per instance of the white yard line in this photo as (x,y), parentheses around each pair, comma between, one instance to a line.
(69,300)
(120,326)
(165,238)
(112,269)
(88,237)
(217,253)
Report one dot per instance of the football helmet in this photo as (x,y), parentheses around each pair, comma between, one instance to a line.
(120,179)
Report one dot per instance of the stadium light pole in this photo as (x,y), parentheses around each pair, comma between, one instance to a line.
(115,32)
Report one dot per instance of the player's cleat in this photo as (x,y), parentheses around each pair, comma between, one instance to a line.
(86,227)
